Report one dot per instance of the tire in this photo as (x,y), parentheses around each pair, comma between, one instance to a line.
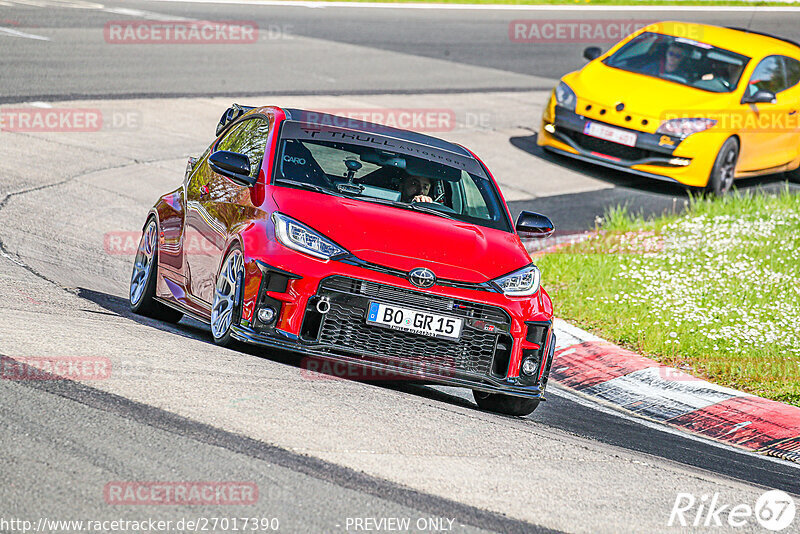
(721,179)
(505,404)
(142,289)
(226,308)
(793,176)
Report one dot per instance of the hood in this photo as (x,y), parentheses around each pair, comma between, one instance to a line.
(643,95)
(404,239)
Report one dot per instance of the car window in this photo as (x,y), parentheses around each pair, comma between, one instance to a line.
(768,76)
(249,137)
(792,71)
(363,167)
(330,161)
(680,60)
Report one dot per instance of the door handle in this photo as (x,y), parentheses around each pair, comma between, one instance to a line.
(793,112)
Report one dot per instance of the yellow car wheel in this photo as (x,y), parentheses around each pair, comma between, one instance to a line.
(794,175)
(721,179)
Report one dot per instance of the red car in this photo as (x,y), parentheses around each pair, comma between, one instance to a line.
(383,249)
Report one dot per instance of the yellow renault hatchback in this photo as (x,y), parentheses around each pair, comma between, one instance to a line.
(691,103)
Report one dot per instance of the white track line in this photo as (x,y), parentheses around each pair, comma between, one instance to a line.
(17,33)
(485,7)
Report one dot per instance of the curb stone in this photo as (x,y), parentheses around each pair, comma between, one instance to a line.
(597,368)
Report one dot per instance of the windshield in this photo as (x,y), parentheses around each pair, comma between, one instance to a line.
(680,60)
(382,169)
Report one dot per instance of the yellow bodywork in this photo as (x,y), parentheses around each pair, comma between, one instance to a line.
(768,133)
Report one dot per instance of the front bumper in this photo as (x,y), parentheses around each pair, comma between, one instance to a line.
(487,356)
(686,161)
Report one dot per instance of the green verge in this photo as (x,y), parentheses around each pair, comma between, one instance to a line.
(636,3)
(714,291)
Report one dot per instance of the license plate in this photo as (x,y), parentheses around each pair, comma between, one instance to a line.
(414,321)
(601,131)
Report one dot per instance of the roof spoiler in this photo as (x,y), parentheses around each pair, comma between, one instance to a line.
(765,34)
(231,114)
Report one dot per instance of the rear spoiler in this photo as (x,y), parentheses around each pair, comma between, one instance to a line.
(231,114)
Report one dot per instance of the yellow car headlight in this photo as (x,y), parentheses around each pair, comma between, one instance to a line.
(685,127)
(565,96)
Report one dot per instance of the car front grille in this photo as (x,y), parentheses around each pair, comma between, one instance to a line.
(344,329)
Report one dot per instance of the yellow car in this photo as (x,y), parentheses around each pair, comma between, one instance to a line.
(691,103)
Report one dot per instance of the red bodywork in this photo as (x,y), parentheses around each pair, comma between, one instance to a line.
(194,239)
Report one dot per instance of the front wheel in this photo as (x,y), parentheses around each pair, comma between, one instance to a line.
(505,404)
(227,308)
(721,179)
(794,175)
(143,279)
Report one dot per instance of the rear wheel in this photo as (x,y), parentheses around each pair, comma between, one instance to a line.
(143,279)
(226,310)
(505,404)
(721,179)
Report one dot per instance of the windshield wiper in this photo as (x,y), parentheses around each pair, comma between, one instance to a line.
(417,206)
(304,185)
(420,206)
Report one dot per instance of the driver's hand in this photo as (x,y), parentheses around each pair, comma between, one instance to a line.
(422,198)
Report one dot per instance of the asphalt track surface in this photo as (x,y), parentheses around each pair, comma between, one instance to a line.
(321,451)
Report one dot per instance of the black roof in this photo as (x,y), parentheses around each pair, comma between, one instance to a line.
(328,119)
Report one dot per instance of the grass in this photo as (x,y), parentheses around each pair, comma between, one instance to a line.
(638,3)
(714,292)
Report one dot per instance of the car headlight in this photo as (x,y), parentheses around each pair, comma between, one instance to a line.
(685,127)
(520,283)
(301,238)
(565,96)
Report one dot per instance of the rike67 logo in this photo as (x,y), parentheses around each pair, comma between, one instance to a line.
(774,510)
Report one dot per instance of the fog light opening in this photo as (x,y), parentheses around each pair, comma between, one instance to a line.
(549,128)
(529,366)
(266,315)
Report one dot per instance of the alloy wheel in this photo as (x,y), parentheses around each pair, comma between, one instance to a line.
(222,309)
(143,263)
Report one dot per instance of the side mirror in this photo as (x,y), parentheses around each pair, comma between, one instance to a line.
(592,52)
(232,165)
(760,97)
(534,225)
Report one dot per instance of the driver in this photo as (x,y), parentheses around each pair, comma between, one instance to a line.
(671,63)
(415,189)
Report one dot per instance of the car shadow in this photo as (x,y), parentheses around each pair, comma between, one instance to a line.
(577,212)
(196,330)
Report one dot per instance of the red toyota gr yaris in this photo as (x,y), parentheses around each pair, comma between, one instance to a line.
(388,250)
